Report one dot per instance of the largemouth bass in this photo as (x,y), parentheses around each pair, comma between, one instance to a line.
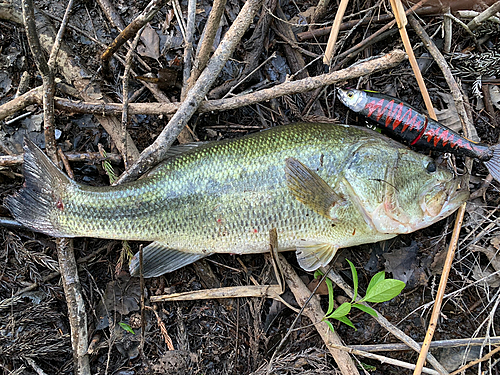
(416,128)
(322,186)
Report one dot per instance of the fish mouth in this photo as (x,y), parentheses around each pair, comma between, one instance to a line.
(441,202)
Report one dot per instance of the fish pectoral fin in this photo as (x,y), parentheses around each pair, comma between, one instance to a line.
(310,189)
(311,254)
(158,258)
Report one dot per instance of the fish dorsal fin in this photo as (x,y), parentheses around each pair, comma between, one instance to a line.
(158,258)
(175,151)
(312,254)
(310,189)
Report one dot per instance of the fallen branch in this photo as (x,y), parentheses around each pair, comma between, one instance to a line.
(288,88)
(156,151)
(316,314)
(260,291)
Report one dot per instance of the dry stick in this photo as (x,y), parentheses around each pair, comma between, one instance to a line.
(473,363)
(335,277)
(455,89)
(381,358)
(399,14)
(255,44)
(94,157)
(358,47)
(157,150)
(76,305)
(188,48)
(57,44)
(330,48)
(205,49)
(491,11)
(67,264)
(47,78)
(440,293)
(126,73)
(312,309)
(260,291)
(467,125)
(478,341)
(131,30)
(387,61)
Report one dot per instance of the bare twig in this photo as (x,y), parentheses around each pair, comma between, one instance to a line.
(330,48)
(399,14)
(156,151)
(131,30)
(57,44)
(473,363)
(477,21)
(312,309)
(47,78)
(188,47)
(382,359)
(440,293)
(359,47)
(125,97)
(76,305)
(206,47)
(478,341)
(288,88)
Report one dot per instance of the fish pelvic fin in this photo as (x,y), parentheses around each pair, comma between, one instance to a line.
(310,189)
(158,258)
(311,254)
(37,204)
(493,164)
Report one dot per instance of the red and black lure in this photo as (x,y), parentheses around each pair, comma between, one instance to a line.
(418,129)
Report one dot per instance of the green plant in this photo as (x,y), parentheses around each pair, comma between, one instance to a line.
(126,327)
(379,289)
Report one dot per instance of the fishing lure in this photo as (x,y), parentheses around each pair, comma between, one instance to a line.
(418,129)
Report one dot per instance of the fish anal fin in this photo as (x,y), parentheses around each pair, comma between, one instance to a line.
(311,254)
(310,189)
(158,258)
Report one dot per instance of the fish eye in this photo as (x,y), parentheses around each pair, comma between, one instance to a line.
(350,94)
(431,167)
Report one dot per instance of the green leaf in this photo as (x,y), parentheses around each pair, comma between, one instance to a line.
(331,304)
(330,325)
(342,310)
(126,327)
(345,320)
(366,309)
(354,279)
(384,290)
(378,277)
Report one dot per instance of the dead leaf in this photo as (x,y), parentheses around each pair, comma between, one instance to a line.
(403,265)
(449,116)
(151,43)
(479,273)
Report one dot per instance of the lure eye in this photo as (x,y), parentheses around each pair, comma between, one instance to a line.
(431,167)
(350,94)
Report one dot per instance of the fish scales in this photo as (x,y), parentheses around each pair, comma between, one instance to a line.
(227,195)
(322,186)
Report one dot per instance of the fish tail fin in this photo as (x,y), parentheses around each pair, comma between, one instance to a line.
(38,204)
(493,164)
